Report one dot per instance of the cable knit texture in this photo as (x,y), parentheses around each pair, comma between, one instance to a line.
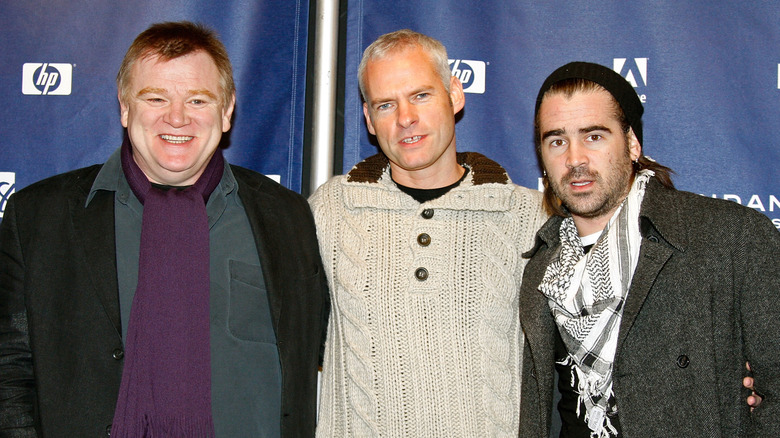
(413,357)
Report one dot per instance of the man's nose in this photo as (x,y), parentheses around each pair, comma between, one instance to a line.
(576,155)
(177,114)
(407,114)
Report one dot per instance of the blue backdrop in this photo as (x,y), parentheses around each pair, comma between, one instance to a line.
(709,73)
(58,66)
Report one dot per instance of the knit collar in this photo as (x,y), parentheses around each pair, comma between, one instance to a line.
(487,187)
(484,170)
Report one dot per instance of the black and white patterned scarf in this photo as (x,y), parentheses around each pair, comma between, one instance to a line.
(586,294)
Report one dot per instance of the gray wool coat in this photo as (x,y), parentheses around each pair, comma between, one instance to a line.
(705,298)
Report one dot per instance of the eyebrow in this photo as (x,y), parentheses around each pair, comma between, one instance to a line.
(592,128)
(585,130)
(423,89)
(553,133)
(153,90)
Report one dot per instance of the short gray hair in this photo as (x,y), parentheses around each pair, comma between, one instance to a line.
(405,39)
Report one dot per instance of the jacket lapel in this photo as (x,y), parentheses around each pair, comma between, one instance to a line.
(259,210)
(652,258)
(94,231)
(535,317)
(658,220)
(539,330)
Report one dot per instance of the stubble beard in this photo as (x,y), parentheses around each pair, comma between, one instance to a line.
(608,193)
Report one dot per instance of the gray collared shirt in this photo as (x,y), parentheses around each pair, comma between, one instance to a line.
(245,368)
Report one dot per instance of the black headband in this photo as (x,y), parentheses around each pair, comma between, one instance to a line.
(621,90)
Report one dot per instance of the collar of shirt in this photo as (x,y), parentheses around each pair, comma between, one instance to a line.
(112,178)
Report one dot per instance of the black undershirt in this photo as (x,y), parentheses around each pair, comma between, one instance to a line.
(425,195)
(166,187)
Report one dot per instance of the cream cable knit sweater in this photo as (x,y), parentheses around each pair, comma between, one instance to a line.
(438,356)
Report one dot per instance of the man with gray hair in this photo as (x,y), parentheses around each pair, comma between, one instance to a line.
(422,249)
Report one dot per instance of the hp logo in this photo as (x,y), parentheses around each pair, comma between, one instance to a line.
(52,79)
(471,74)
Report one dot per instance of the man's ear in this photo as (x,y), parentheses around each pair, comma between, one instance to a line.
(227,113)
(634,147)
(369,125)
(123,109)
(457,97)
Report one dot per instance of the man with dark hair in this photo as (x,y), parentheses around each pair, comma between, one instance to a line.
(649,301)
(165,292)
(422,247)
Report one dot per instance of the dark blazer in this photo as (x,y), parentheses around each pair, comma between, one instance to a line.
(703,300)
(60,344)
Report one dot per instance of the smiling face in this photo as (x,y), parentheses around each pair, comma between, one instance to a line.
(175,116)
(413,117)
(586,155)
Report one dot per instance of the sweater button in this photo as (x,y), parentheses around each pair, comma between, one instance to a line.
(424,239)
(421,274)
(683,361)
(118,354)
(427,213)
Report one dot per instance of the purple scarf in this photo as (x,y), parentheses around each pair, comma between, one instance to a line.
(166,381)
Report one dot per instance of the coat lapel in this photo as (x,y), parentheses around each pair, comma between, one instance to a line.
(539,329)
(538,325)
(658,220)
(259,209)
(652,258)
(535,317)
(94,231)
